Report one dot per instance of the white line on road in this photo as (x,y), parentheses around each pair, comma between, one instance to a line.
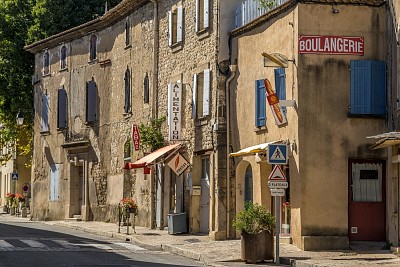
(33,243)
(99,246)
(4,244)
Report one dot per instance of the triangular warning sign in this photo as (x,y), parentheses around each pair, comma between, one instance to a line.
(277,174)
(277,154)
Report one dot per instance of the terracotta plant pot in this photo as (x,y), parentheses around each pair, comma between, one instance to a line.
(257,247)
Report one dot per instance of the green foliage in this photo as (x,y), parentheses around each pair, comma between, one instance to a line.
(151,137)
(269,4)
(254,219)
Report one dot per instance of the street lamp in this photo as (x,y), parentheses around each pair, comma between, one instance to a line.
(20,118)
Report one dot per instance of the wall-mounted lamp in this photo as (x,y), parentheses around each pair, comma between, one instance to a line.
(334,10)
(258,158)
(20,118)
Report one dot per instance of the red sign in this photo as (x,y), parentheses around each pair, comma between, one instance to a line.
(336,45)
(135,137)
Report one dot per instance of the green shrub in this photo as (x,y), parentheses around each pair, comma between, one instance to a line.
(254,219)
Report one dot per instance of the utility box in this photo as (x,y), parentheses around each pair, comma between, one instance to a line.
(177,223)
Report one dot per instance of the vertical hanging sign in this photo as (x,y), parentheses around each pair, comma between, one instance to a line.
(135,137)
(175,111)
(273,102)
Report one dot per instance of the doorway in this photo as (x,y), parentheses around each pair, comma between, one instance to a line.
(367,200)
(77,190)
(205,196)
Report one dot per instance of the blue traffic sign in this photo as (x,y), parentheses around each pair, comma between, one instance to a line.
(277,154)
(14,176)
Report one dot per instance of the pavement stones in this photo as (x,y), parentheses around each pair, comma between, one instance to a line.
(225,253)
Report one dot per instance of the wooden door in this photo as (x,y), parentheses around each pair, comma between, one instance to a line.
(367,200)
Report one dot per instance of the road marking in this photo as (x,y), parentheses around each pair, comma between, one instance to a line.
(99,246)
(5,244)
(33,243)
(64,243)
(129,246)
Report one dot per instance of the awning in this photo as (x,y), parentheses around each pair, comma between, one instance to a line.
(150,158)
(261,148)
(387,139)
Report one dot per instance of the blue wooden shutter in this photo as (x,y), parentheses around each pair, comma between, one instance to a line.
(62,109)
(260,103)
(91,101)
(368,87)
(127,106)
(280,85)
(45,113)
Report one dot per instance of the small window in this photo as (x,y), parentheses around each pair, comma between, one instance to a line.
(146,88)
(202,15)
(63,57)
(368,87)
(127,104)
(45,113)
(127,150)
(175,26)
(127,32)
(201,94)
(260,105)
(62,109)
(93,47)
(91,102)
(46,63)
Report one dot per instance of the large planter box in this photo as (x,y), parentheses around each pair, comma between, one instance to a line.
(257,247)
(177,223)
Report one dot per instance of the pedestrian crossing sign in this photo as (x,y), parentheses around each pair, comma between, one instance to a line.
(277,154)
(14,176)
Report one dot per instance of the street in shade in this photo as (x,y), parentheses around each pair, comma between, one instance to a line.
(36,244)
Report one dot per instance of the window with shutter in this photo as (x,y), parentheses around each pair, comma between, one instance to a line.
(175,26)
(46,63)
(260,105)
(201,94)
(91,102)
(63,57)
(202,15)
(146,89)
(93,47)
(45,113)
(127,104)
(62,109)
(367,87)
(280,85)
(54,182)
(194,97)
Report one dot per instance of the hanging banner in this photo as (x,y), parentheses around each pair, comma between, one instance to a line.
(135,137)
(273,102)
(335,45)
(175,111)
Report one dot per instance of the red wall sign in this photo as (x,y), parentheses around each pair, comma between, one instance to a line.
(135,137)
(337,45)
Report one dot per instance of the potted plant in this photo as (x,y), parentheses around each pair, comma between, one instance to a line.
(10,202)
(129,205)
(255,225)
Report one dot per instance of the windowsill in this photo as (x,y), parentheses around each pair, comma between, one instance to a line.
(202,121)
(44,132)
(127,159)
(204,33)
(129,46)
(261,129)
(93,61)
(64,69)
(176,47)
(366,116)
(105,62)
(127,115)
(90,123)
(62,129)
(46,75)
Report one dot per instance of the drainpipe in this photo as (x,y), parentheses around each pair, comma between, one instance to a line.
(228,170)
(154,110)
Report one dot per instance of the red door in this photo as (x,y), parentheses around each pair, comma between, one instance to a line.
(367,200)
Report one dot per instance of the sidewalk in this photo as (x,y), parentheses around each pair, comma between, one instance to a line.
(224,253)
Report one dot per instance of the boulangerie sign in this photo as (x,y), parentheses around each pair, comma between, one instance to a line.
(339,45)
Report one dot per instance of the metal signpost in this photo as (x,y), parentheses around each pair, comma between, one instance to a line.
(277,154)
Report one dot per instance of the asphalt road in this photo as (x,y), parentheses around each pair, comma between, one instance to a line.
(36,244)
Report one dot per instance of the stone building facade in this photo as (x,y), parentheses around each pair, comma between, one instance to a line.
(94,82)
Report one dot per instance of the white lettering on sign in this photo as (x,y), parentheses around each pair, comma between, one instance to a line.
(175,111)
(339,45)
(135,137)
(272,184)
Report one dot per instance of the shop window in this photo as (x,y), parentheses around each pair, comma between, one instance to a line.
(175,26)
(45,113)
(62,108)
(63,57)
(368,87)
(201,94)
(93,47)
(260,105)
(91,102)
(127,79)
(46,63)
(202,15)
(146,89)
(54,181)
